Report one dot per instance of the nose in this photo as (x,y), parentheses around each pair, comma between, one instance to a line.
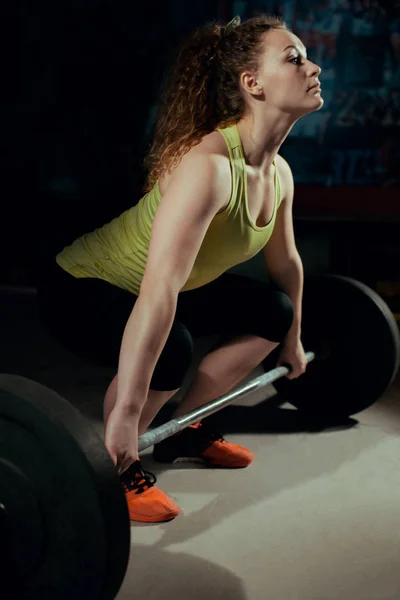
(314,70)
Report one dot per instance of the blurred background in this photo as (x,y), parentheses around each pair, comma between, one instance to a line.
(81,83)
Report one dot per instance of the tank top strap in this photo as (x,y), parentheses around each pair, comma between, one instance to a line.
(231,135)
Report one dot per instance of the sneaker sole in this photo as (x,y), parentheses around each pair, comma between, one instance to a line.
(164,519)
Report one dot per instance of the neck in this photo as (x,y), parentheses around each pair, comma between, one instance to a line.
(262,138)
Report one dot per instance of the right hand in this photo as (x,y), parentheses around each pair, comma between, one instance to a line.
(121,439)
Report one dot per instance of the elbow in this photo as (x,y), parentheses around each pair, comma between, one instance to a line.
(291,268)
(296,260)
(156,284)
(157,305)
(289,263)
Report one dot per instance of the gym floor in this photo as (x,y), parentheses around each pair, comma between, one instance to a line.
(315,517)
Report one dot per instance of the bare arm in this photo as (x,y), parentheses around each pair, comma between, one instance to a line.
(282,259)
(179,227)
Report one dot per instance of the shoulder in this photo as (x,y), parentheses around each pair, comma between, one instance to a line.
(213,149)
(285,177)
(205,166)
(213,143)
(208,155)
(284,170)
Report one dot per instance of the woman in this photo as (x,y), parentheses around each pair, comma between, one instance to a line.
(138,289)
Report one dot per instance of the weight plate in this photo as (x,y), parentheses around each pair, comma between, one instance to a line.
(24,519)
(66,513)
(353,324)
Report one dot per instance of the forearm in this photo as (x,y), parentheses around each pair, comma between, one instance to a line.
(291,281)
(144,338)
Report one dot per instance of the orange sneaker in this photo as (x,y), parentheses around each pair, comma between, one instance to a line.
(146,502)
(198,443)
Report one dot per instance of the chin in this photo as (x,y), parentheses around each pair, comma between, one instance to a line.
(317,104)
(320,101)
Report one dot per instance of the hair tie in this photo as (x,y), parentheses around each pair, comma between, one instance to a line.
(230,27)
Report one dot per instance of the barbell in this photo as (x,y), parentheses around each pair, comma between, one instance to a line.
(64,523)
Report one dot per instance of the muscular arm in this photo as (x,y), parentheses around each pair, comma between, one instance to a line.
(282,259)
(179,227)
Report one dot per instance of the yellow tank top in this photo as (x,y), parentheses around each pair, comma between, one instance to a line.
(117,252)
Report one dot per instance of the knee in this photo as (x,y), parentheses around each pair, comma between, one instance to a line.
(174,361)
(281,313)
(285,315)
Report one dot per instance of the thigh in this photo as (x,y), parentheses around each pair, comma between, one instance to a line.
(236,305)
(86,315)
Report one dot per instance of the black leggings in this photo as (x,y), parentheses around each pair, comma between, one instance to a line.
(89,316)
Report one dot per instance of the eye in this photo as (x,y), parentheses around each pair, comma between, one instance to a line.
(296,60)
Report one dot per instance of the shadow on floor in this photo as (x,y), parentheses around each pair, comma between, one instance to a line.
(157,574)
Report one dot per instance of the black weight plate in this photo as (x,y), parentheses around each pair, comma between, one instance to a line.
(355,325)
(64,505)
(24,517)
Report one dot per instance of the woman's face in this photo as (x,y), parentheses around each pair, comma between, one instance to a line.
(287,79)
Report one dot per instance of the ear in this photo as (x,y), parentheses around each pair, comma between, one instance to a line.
(250,83)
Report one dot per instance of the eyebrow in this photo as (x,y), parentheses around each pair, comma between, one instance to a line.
(295,47)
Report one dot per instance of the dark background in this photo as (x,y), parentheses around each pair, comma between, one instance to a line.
(80,84)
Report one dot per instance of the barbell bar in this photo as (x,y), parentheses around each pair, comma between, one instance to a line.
(172,427)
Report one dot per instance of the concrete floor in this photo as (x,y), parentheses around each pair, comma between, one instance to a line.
(315,517)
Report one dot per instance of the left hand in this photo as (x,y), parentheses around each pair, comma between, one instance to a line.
(292,353)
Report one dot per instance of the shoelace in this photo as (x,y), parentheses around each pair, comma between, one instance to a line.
(211,435)
(136,479)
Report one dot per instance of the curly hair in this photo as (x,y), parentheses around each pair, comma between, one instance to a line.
(201,91)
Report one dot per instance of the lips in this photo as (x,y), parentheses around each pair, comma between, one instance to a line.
(316,86)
